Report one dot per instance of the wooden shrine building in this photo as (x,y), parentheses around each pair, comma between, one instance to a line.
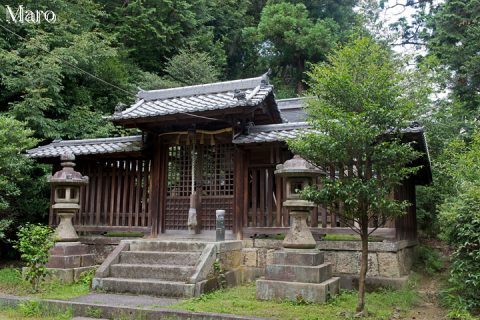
(228,137)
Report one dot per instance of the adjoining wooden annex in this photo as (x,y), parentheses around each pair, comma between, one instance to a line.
(224,140)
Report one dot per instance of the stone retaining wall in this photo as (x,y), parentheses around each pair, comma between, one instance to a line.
(389,262)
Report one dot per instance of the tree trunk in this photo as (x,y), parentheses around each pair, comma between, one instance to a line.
(300,71)
(363,265)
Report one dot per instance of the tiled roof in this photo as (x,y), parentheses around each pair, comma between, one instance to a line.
(88,146)
(199,98)
(292,110)
(272,132)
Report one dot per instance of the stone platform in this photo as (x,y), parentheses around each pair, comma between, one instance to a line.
(68,260)
(298,275)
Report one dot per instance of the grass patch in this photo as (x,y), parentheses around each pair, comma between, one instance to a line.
(11,282)
(33,310)
(277,236)
(125,234)
(241,301)
(349,237)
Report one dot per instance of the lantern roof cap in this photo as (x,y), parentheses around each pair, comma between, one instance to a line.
(68,175)
(297,166)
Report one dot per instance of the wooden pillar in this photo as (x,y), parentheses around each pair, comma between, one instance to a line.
(156,212)
(238,192)
(163,186)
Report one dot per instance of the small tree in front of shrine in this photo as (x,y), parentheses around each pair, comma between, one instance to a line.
(360,104)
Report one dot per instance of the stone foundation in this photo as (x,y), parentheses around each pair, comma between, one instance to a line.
(101,246)
(389,262)
(68,260)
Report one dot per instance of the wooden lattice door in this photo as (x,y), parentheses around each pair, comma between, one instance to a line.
(213,182)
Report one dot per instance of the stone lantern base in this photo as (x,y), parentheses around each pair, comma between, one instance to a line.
(68,260)
(298,275)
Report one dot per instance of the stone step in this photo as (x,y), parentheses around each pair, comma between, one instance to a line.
(151,271)
(295,291)
(152,257)
(166,246)
(306,274)
(146,286)
(298,258)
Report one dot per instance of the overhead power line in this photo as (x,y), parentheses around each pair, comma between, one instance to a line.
(131,94)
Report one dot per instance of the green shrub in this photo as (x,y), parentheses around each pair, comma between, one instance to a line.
(34,242)
(427,260)
(87,277)
(462,219)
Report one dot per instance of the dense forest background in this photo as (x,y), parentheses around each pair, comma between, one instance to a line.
(58,79)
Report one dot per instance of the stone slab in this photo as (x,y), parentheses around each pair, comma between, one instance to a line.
(249,257)
(68,275)
(72,261)
(296,291)
(268,243)
(387,246)
(350,282)
(64,262)
(307,274)
(298,257)
(69,249)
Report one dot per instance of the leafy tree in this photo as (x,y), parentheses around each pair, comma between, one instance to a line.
(40,79)
(362,101)
(189,68)
(460,218)
(23,187)
(289,38)
(454,41)
(14,138)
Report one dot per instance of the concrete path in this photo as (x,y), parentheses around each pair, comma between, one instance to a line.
(125,300)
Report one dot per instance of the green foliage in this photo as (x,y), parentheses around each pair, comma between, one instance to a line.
(34,242)
(219,274)
(86,277)
(361,104)
(427,260)
(361,95)
(288,37)
(190,68)
(348,237)
(12,282)
(35,308)
(14,138)
(462,215)
(4,224)
(93,312)
(16,172)
(124,234)
(455,43)
(460,219)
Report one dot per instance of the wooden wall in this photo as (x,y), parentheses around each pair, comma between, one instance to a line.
(116,198)
(261,195)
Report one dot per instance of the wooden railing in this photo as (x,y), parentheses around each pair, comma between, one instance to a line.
(116,198)
(266,214)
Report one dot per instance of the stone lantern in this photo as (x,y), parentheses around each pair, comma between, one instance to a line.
(299,271)
(298,174)
(68,258)
(66,185)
